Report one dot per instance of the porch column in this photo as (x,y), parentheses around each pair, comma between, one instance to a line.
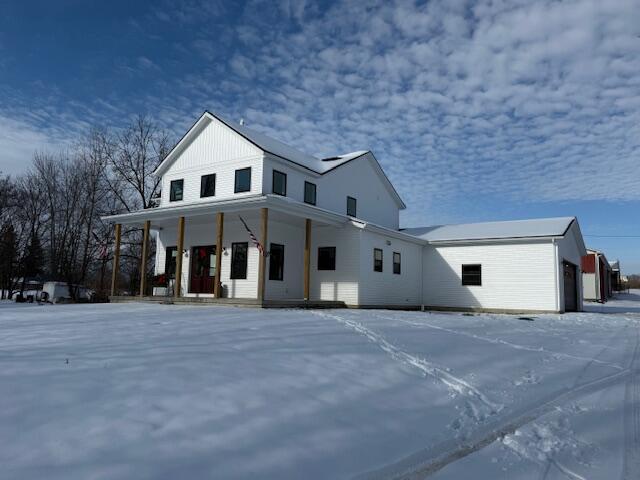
(307,257)
(179,249)
(264,215)
(219,237)
(116,260)
(143,261)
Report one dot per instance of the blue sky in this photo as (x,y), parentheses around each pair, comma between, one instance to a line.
(477,111)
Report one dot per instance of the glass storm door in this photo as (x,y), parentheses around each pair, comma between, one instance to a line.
(203,269)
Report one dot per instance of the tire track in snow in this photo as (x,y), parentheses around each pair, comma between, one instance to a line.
(498,341)
(631,462)
(425,462)
(454,383)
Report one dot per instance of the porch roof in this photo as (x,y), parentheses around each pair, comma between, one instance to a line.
(252,202)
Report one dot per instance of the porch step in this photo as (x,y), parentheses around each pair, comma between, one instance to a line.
(235,302)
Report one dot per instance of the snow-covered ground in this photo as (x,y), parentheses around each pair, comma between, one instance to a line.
(155,391)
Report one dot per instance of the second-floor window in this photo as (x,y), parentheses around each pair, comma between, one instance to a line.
(208,185)
(176,189)
(351,207)
(243,180)
(279,183)
(310,193)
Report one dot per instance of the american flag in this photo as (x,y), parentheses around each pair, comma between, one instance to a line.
(254,240)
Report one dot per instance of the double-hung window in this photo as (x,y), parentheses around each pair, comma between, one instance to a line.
(351,207)
(208,185)
(276,262)
(377,260)
(239,253)
(176,190)
(310,193)
(396,263)
(243,180)
(279,183)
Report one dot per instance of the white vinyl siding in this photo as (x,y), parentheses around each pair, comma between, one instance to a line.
(516,276)
(356,179)
(341,284)
(387,288)
(219,150)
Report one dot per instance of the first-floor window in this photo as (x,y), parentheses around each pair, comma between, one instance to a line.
(239,253)
(276,262)
(176,189)
(377,260)
(327,258)
(396,263)
(170,262)
(472,274)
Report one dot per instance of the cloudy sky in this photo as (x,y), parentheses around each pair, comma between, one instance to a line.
(497,109)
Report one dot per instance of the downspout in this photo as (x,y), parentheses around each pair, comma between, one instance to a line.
(598,291)
(422,279)
(556,271)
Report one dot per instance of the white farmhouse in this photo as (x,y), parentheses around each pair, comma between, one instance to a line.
(329,234)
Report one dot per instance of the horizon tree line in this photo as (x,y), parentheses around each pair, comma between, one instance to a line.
(50,216)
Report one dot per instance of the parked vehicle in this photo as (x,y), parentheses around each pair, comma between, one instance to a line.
(56,292)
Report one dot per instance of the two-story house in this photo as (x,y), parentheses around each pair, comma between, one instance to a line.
(244,216)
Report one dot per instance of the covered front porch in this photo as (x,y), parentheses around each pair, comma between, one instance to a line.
(254,251)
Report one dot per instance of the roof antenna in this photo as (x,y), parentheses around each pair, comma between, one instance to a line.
(242,122)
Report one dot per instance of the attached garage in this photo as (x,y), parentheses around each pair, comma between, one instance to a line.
(513,266)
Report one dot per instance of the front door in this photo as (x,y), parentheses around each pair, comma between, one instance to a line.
(203,269)
(570,287)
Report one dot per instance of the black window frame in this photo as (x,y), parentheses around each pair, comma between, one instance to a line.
(239,272)
(235,182)
(331,266)
(315,193)
(398,264)
(170,262)
(172,193)
(355,207)
(273,182)
(378,264)
(276,271)
(473,278)
(204,184)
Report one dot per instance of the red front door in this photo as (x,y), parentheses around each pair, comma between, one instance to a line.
(203,266)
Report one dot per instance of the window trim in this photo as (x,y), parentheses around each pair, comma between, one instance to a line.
(334,259)
(398,263)
(171,192)
(355,207)
(468,282)
(375,260)
(235,180)
(315,193)
(279,270)
(232,275)
(273,182)
(202,177)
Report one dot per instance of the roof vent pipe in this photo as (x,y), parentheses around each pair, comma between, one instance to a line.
(242,122)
